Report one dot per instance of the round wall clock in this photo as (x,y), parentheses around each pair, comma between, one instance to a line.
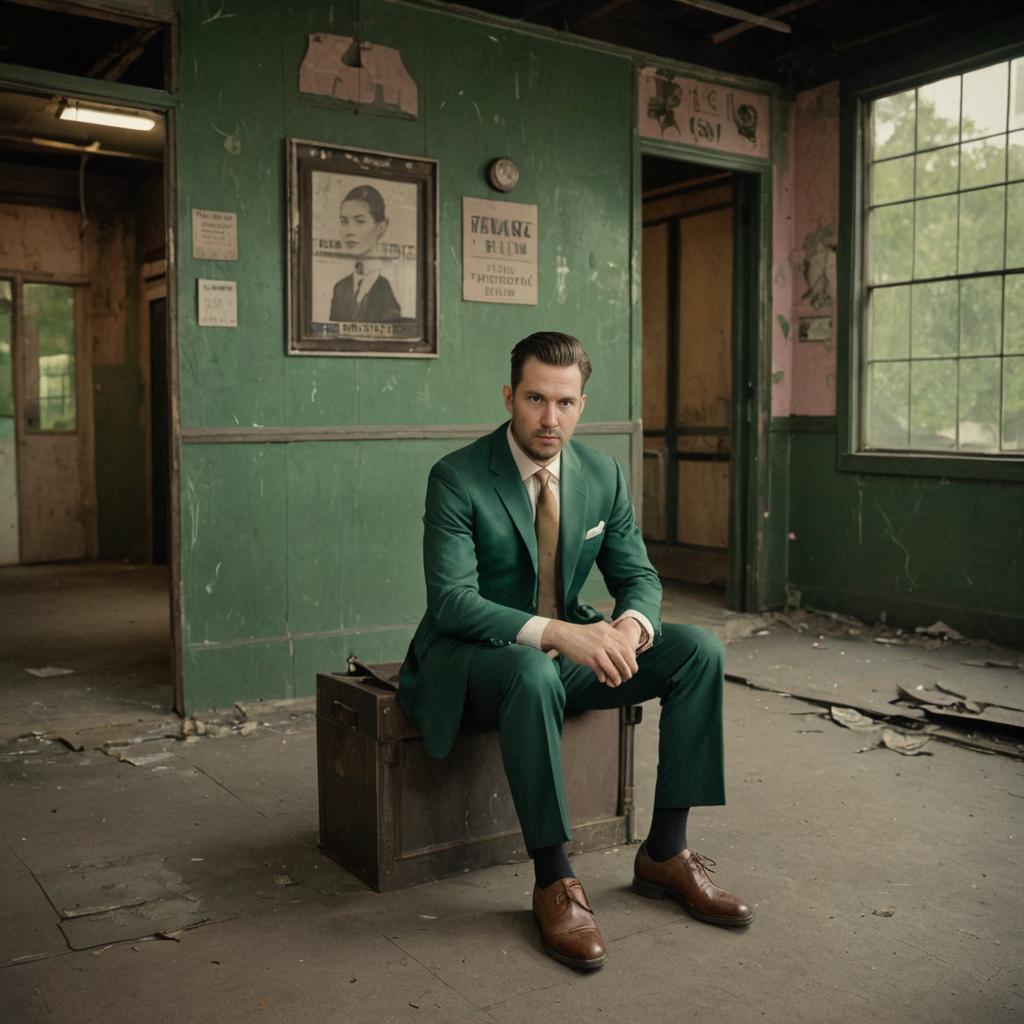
(503,174)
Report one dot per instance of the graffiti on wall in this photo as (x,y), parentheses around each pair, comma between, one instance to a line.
(676,108)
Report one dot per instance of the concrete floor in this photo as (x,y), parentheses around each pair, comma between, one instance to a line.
(886,888)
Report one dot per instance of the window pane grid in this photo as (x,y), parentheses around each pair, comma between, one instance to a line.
(945,195)
(942,353)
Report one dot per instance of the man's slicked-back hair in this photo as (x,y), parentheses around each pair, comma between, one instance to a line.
(552,348)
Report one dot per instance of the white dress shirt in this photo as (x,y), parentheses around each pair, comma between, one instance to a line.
(532,632)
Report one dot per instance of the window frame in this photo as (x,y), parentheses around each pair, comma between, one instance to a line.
(856,93)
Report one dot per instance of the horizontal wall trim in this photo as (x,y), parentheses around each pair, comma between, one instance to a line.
(290,638)
(804,424)
(386,432)
(39,80)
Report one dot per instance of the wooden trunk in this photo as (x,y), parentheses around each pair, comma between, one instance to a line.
(394,816)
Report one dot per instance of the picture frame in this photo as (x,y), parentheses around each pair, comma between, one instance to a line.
(362,252)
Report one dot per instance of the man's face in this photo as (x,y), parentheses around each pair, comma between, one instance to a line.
(545,406)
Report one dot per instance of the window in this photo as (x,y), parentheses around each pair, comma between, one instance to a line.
(942,336)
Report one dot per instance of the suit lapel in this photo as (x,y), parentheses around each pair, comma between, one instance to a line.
(509,485)
(572,514)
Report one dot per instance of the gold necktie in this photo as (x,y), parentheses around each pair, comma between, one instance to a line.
(546,524)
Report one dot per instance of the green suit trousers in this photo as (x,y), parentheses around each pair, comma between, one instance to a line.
(525,694)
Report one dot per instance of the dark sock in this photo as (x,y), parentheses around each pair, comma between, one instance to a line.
(668,832)
(550,863)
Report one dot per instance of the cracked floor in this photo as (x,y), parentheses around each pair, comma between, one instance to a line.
(886,888)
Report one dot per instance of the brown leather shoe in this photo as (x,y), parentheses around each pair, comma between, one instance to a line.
(568,930)
(685,877)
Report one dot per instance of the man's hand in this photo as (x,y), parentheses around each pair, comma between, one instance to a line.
(609,650)
(632,628)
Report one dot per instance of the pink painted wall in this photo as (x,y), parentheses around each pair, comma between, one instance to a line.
(812,257)
(782,276)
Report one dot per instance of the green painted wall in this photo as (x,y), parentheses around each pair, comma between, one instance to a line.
(296,554)
(915,548)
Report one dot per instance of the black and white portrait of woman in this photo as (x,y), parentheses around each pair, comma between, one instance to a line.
(364,251)
(364,294)
(361,252)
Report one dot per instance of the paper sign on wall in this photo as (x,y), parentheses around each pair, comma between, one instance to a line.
(499,252)
(217,302)
(214,235)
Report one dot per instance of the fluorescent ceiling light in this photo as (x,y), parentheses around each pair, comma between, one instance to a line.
(109,118)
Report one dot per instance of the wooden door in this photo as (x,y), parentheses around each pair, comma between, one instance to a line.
(53,414)
(687,318)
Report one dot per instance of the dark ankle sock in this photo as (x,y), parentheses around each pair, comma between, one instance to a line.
(668,832)
(550,863)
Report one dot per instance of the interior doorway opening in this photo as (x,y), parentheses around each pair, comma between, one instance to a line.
(693,480)
(85,468)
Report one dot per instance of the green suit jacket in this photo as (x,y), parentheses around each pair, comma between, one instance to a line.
(480,563)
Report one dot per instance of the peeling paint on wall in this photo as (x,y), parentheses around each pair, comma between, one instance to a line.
(813,255)
(561,278)
(782,245)
(819,267)
(364,74)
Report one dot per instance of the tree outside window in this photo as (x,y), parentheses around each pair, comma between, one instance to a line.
(942,355)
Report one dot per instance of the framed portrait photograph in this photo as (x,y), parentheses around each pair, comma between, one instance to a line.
(362,252)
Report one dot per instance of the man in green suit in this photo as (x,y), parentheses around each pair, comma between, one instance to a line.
(514,523)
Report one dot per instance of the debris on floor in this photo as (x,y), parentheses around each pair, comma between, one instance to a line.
(823,624)
(997,663)
(246,718)
(49,671)
(949,706)
(941,630)
(132,897)
(903,743)
(141,760)
(851,719)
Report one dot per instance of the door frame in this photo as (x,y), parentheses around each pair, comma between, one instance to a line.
(747,584)
(152,286)
(84,426)
(15,77)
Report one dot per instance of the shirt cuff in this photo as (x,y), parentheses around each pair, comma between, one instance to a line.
(533,631)
(647,639)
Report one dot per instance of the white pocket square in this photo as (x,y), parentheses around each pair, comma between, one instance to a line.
(594,531)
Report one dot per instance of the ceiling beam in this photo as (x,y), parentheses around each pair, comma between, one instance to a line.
(598,13)
(112,66)
(742,26)
(738,13)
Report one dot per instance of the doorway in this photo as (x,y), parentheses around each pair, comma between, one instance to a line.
(698,375)
(85,359)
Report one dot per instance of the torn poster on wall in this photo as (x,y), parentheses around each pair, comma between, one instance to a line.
(362,74)
(499,251)
(679,109)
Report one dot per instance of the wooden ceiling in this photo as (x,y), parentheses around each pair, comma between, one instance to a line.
(803,44)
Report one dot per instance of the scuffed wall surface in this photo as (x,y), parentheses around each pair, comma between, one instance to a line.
(909,550)
(295,555)
(36,239)
(815,175)
(782,275)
